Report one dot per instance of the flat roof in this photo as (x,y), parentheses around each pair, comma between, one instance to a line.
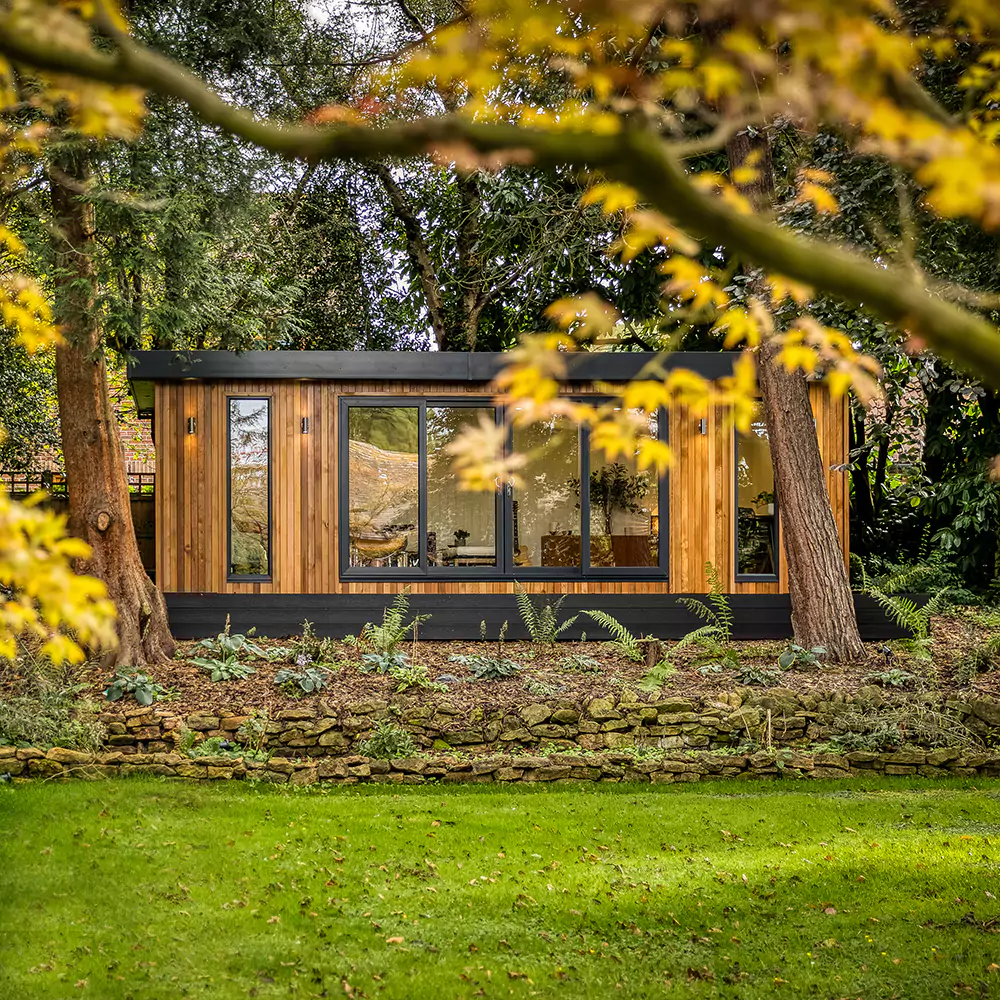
(148,367)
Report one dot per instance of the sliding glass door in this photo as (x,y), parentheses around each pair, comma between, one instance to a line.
(570,513)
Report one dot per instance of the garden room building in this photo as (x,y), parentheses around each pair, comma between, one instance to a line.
(314,485)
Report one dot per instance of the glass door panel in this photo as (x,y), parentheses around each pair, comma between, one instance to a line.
(624,510)
(545,508)
(383,485)
(461,525)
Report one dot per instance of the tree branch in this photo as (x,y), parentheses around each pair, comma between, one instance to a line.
(634,156)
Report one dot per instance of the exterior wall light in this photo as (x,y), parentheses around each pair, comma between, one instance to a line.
(703,425)
(305,425)
(192,425)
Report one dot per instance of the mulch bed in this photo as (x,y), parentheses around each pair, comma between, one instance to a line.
(193,691)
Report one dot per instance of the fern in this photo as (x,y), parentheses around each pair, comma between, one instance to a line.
(904,611)
(657,676)
(714,609)
(542,623)
(622,640)
(390,635)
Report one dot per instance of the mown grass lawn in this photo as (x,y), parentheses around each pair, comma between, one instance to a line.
(149,890)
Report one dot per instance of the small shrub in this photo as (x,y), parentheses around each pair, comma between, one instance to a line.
(49,719)
(581,663)
(388,742)
(622,641)
(139,686)
(309,680)
(383,663)
(896,677)
(390,635)
(797,658)
(542,622)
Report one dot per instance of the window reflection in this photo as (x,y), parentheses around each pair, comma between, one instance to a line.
(383,485)
(461,525)
(546,508)
(624,521)
(756,509)
(249,486)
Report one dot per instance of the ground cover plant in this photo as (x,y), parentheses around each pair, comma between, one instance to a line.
(725,890)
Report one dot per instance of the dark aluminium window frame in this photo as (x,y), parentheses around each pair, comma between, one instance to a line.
(249,577)
(752,577)
(504,569)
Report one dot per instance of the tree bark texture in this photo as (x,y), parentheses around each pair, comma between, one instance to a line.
(99,510)
(818,583)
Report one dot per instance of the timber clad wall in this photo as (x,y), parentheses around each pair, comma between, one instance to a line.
(192,504)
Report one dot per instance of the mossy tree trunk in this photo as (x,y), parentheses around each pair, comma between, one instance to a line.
(99,509)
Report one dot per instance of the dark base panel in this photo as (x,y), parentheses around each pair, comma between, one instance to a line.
(458,616)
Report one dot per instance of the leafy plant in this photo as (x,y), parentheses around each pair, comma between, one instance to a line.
(50,719)
(795,657)
(904,611)
(390,635)
(227,644)
(253,733)
(225,664)
(139,686)
(309,680)
(384,663)
(713,609)
(657,676)
(755,676)
(309,648)
(896,677)
(541,689)
(622,641)
(414,675)
(613,487)
(224,670)
(485,667)
(581,662)
(542,622)
(388,742)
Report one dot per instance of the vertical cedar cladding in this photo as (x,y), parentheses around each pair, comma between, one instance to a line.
(192,512)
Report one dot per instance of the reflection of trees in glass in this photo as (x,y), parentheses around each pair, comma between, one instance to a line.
(249,444)
(755,522)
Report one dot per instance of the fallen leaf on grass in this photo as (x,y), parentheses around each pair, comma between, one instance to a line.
(394,940)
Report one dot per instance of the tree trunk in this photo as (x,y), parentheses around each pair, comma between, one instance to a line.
(818,584)
(99,510)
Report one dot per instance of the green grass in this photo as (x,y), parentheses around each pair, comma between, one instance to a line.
(151,891)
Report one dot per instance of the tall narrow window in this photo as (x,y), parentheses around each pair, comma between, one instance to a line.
(756,507)
(383,485)
(624,510)
(546,506)
(461,525)
(249,488)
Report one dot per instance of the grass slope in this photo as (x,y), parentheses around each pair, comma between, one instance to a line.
(147,890)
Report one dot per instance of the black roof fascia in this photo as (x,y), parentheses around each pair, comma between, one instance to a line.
(402,366)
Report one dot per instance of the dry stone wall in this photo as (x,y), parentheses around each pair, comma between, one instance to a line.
(609,766)
(774,718)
